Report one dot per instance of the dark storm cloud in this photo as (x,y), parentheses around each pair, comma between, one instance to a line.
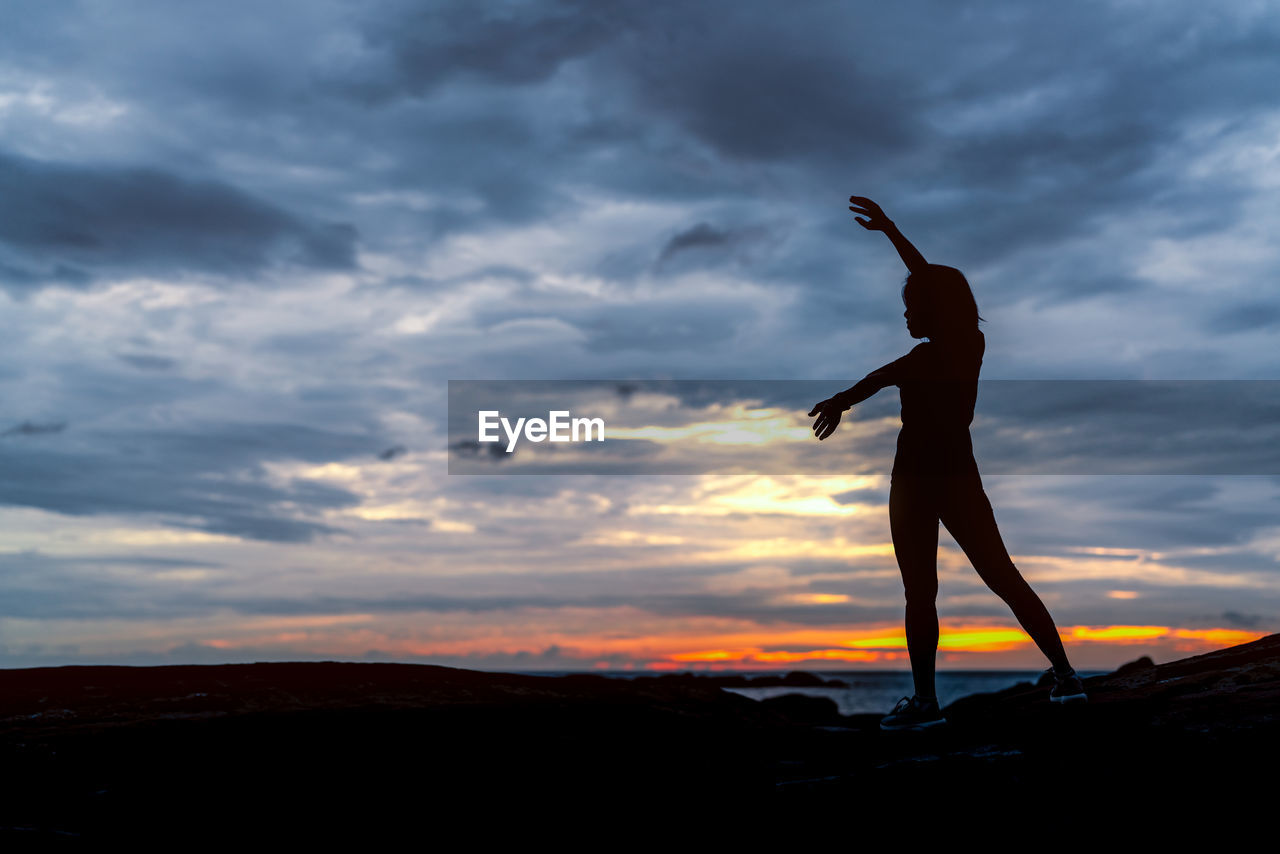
(27,428)
(769,86)
(466,448)
(34,562)
(475,276)
(987,132)
(701,235)
(207,479)
(688,325)
(514,44)
(1245,318)
(706,245)
(35,585)
(837,81)
(755,86)
(988,135)
(147,361)
(859,496)
(109,220)
(1244,621)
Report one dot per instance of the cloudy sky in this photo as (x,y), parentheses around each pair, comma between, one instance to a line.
(245,246)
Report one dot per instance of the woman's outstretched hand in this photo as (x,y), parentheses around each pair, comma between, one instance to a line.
(828,412)
(875,217)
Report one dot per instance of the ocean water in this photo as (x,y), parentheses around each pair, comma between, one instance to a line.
(876,691)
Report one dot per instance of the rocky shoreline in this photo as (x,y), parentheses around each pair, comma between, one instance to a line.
(110,751)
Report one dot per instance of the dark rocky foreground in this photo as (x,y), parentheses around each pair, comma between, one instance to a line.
(319,749)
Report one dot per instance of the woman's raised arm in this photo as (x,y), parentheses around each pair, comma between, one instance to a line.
(877,221)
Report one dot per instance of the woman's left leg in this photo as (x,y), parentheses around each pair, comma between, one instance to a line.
(913,523)
(967,514)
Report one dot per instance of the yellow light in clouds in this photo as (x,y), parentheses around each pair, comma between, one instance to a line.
(777,657)
(1224,637)
(156,537)
(1108,552)
(982,640)
(1137,634)
(452,527)
(1122,594)
(816,505)
(796,496)
(880,645)
(1118,633)
(883,641)
(960,638)
(816,598)
(630,538)
(710,655)
(824,654)
(327,471)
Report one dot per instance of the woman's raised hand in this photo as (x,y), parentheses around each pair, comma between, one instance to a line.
(828,412)
(875,217)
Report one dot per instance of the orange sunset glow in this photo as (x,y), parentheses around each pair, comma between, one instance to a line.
(973,646)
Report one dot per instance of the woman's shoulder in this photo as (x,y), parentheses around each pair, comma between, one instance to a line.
(957,355)
(965,341)
(973,341)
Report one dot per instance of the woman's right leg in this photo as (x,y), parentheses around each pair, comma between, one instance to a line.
(913,521)
(967,513)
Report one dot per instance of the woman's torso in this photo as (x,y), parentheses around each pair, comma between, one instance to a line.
(939,388)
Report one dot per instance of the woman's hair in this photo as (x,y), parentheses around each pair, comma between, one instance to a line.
(944,294)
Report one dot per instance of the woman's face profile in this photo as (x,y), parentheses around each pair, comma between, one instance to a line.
(916,314)
(917,326)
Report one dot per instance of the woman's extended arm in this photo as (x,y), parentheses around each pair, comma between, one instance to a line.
(863,388)
(877,221)
(829,410)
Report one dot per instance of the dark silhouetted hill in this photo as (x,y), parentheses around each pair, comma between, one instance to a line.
(317,749)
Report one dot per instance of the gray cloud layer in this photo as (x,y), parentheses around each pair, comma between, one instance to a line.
(69,223)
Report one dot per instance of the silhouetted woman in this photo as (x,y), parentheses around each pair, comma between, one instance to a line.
(935,476)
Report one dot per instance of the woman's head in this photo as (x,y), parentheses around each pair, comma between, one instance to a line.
(939,302)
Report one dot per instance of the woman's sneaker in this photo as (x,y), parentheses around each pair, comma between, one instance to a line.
(1066,688)
(913,713)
